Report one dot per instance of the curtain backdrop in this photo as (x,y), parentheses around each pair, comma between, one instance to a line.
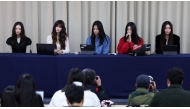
(38,19)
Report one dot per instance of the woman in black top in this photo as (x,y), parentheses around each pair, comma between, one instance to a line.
(18,42)
(167,38)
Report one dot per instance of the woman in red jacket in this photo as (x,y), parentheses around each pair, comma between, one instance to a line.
(131,39)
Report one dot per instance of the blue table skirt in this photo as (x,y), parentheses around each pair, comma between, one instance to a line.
(118,73)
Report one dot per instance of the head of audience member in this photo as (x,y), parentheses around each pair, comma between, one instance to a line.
(27,91)
(97,31)
(10,97)
(59,29)
(18,30)
(131,28)
(75,95)
(89,75)
(143,81)
(175,76)
(26,84)
(75,74)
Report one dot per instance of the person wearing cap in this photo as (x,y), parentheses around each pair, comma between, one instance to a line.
(174,95)
(142,96)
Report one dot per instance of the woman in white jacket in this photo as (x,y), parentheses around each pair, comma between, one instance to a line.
(59,38)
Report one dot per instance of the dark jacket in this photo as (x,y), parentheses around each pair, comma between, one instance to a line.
(99,91)
(173,96)
(176,42)
(140,96)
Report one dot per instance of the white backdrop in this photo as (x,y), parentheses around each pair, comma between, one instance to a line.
(38,19)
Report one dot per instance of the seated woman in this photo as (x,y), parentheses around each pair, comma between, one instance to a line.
(27,92)
(75,76)
(9,97)
(18,42)
(99,39)
(167,38)
(130,40)
(59,38)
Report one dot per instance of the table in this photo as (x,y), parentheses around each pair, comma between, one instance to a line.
(118,73)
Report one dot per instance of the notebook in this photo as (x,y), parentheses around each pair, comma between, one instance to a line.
(45,49)
(169,49)
(86,49)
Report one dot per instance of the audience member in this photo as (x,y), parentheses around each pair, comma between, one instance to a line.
(75,95)
(142,96)
(27,92)
(75,76)
(174,95)
(94,84)
(10,97)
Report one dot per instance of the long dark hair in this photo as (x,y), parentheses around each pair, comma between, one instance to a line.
(134,34)
(162,38)
(10,97)
(22,34)
(101,34)
(26,84)
(27,90)
(62,35)
(75,74)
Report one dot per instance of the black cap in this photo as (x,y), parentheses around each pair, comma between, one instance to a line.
(143,80)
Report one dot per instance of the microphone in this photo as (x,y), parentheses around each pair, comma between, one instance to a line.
(127,36)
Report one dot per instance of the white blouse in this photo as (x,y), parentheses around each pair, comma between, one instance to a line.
(50,41)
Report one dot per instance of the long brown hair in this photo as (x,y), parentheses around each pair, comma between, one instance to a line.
(162,38)
(62,35)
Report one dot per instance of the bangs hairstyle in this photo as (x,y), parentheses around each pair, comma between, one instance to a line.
(22,33)
(162,38)
(101,33)
(134,34)
(26,84)
(62,35)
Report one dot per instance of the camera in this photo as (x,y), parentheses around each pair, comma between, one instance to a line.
(151,80)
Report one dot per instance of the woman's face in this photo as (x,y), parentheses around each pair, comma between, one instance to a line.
(129,30)
(96,30)
(58,29)
(18,30)
(167,29)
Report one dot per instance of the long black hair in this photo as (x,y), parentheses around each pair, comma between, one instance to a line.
(101,34)
(26,84)
(62,35)
(27,91)
(75,74)
(22,33)
(134,34)
(162,38)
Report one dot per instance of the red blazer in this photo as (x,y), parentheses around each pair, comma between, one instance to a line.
(127,47)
